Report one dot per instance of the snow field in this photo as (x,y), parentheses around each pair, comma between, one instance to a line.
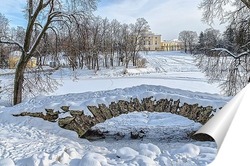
(31,141)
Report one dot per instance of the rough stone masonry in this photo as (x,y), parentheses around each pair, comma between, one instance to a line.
(81,123)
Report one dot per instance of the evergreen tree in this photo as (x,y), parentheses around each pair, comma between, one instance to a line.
(201,42)
(229,39)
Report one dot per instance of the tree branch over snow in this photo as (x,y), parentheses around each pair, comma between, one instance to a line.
(232,54)
(13,43)
(218,9)
(247,3)
(37,11)
(229,62)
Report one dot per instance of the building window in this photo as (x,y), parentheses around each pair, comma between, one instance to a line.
(148,42)
(156,43)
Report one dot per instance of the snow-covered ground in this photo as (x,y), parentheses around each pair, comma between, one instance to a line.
(31,141)
(170,69)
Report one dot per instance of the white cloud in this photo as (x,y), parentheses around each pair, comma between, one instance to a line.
(165,17)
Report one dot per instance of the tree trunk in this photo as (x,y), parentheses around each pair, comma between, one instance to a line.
(97,63)
(18,81)
(82,61)
(185,47)
(106,60)
(126,61)
(247,3)
(112,58)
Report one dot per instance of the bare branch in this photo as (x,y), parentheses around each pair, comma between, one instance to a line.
(232,54)
(247,3)
(12,43)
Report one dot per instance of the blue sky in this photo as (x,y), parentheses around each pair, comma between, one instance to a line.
(13,10)
(165,17)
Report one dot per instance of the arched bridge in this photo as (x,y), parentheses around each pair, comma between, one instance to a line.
(81,123)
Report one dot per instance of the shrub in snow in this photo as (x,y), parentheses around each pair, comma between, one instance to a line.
(189,150)
(141,63)
(127,153)
(150,150)
(7,162)
(125,71)
(93,159)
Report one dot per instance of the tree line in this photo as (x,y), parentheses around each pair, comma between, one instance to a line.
(223,57)
(84,43)
(56,28)
(228,59)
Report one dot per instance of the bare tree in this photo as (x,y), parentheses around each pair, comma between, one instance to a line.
(211,38)
(115,36)
(105,40)
(219,8)
(4,27)
(189,39)
(138,30)
(45,14)
(228,63)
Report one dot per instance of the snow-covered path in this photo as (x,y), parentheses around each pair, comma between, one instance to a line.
(171,62)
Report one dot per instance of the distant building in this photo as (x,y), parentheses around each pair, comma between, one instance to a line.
(152,42)
(14,58)
(173,45)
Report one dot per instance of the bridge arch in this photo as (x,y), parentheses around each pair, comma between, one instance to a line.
(81,123)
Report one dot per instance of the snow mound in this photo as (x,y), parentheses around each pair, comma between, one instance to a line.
(150,150)
(7,162)
(165,161)
(41,159)
(93,159)
(189,150)
(127,153)
(60,156)
(143,161)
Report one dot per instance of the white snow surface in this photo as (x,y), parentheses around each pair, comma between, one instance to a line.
(32,141)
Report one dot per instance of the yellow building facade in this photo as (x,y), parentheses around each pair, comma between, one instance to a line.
(152,42)
(174,45)
(14,59)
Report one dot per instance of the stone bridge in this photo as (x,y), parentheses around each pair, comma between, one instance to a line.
(81,123)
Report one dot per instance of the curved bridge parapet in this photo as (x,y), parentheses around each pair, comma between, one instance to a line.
(81,123)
